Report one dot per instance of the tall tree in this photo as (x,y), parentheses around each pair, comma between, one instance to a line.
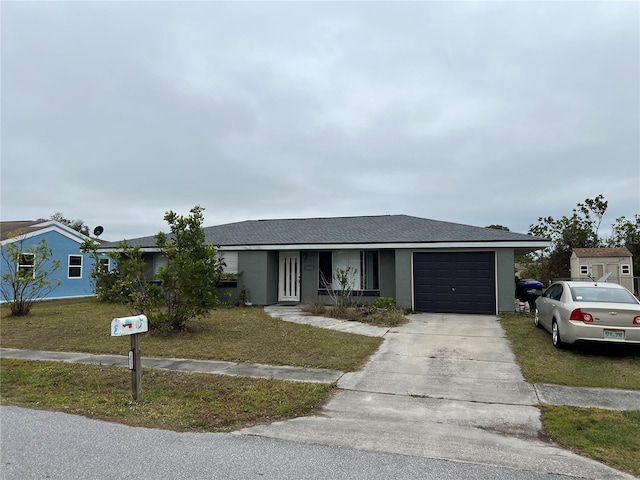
(626,233)
(127,283)
(498,227)
(187,286)
(77,225)
(27,274)
(192,272)
(580,230)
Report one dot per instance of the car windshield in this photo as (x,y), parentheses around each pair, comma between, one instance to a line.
(601,294)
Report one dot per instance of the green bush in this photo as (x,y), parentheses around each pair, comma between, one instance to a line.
(384,303)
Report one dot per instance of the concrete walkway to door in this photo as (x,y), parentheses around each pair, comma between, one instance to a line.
(441,386)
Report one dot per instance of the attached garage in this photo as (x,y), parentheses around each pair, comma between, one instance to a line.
(454,282)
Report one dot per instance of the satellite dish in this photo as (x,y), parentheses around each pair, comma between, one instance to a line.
(98,231)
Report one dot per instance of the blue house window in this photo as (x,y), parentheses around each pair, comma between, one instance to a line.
(26,264)
(105,265)
(75,266)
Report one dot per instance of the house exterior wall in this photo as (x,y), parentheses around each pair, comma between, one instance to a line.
(505,280)
(599,266)
(387,273)
(258,273)
(403,276)
(61,247)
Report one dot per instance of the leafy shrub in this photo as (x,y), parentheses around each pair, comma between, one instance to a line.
(384,303)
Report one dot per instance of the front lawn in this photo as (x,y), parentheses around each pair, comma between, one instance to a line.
(180,401)
(605,366)
(229,334)
(609,437)
(172,400)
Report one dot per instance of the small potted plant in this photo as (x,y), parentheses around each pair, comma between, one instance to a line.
(243,297)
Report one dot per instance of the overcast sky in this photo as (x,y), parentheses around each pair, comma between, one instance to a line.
(472,112)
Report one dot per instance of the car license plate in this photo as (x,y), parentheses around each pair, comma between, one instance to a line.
(614,334)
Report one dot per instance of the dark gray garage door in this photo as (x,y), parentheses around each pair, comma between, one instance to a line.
(454,282)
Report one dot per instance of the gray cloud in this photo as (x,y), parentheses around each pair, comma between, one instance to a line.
(471,112)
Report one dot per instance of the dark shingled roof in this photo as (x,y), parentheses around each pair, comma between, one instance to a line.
(346,230)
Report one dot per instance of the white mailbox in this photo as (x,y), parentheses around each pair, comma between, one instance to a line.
(129,325)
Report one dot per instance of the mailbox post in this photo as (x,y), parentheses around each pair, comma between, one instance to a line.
(132,326)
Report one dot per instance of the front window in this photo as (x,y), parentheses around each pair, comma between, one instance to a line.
(359,269)
(26,264)
(105,265)
(75,266)
(229,261)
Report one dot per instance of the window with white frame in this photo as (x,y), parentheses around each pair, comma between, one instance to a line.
(361,266)
(26,264)
(625,269)
(75,266)
(230,265)
(105,264)
(584,269)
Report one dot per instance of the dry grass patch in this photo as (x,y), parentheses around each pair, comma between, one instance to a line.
(229,334)
(170,400)
(365,314)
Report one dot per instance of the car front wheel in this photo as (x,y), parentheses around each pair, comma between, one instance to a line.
(555,335)
(536,319)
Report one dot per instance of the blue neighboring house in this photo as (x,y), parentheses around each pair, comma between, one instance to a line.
(75,267)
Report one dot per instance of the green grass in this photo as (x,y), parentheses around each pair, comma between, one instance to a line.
(229,334)
(170,400)
(610,437)
(605,366)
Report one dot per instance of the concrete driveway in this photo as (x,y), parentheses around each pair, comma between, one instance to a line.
(442,386)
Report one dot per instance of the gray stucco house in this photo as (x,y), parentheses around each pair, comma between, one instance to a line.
(425,265)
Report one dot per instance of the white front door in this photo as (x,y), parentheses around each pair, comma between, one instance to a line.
(289,277)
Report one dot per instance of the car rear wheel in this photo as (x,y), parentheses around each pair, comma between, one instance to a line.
(536,319)
(555,335)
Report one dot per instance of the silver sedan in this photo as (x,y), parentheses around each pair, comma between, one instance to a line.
(588,311)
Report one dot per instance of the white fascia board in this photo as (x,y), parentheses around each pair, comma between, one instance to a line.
(55,227)
(142,249)
(394,246)
(365,246)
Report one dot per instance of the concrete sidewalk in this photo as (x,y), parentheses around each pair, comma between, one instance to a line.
(254,370)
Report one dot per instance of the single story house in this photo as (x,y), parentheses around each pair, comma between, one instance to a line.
(425,265)
(598,262)
(75,269)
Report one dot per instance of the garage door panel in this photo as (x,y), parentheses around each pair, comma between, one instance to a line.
(454,282)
